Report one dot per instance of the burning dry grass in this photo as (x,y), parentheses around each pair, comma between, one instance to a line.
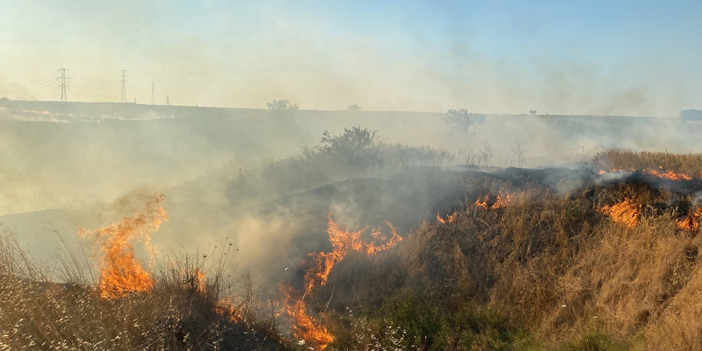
(692,220)
(551,264)
(450,218)
(181,306)
(689,165)
(121,273)
(500,200)
(318,269)
(626,212)
(526,270)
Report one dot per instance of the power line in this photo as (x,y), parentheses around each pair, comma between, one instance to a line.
(153,96)
(123,99)
(50,84)
(64,85)
(43,81)
(42,92)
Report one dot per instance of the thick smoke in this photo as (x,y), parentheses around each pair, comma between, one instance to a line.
(82,173)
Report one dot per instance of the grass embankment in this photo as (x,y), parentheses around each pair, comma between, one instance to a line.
(548,271)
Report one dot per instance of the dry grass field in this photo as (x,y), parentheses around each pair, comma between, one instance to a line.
(611,265)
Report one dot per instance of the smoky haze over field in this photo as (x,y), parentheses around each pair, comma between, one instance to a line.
(265,179)
(423,56)
(262,180)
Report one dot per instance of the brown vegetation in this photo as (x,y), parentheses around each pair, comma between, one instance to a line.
(549,265)
(544,270)
(690,164)
(181,311)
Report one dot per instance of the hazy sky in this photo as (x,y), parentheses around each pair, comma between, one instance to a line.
(575,57)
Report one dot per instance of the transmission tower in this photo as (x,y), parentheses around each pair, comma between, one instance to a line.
(64,83)
(124,87)
(153,96)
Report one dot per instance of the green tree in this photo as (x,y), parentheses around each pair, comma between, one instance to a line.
(460,121)
(354,146)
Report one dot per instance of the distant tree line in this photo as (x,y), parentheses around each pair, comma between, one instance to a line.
(279,105)
(691,115)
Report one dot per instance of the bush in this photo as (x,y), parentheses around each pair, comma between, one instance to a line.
(357,152)
(460,122)
(280,105)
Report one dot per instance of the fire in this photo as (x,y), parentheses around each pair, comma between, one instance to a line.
(501,200)
(669,174)
(199,280)
(303,326)
(121,273)
(225,307)
(342,241)
(626,212)
(448,219)
(691,221)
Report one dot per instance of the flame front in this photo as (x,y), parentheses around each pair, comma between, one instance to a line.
(448,219)
(626,212)
(669,174)
(303,326)
(691,221)
(225,307)
(501,200)
(121,273)
(342,241)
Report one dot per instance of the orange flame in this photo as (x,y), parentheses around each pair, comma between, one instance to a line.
(121,273)
(691,221)
(342,242)
(303,326)
(669,174)
(199,280)
(225,307)
(626,212)
(448,219)
(501,200)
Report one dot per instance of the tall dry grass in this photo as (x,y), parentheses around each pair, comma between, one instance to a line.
(690,164)
(182,312)
(552,266)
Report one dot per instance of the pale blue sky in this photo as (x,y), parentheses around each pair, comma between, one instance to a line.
(574,57)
